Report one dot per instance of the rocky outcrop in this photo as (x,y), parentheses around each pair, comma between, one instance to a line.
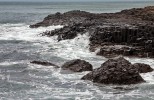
(146,13)
(66,19)
(137,40)
(115,71)
(77,65)
(129,32)
(44,63)
(77,16)
(110,51)
(69,32)
(142,68)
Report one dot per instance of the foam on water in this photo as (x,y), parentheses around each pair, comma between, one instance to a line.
(68,48)
(38,82)
(23,32)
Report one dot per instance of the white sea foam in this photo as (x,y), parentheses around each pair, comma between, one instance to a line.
(23,32)
(149,77)
(66,49)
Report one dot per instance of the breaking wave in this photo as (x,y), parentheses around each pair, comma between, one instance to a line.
(19,79)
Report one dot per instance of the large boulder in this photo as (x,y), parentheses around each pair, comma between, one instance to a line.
(142,68)
(115,71)
(77,65)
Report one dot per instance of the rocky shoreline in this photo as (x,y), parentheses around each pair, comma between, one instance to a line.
(129,32)
(117,71)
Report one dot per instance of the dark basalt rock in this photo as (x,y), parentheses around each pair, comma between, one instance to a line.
(111,51)
(137,40)
(115,71)
(77,65)
(143,13)
(68,18)
(44,63)
(133,28)
(142,68)
(69,32)
(77,16)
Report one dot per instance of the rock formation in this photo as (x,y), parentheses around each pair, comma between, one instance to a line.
(115,71)
(142,68)
(77,65)
(129,32)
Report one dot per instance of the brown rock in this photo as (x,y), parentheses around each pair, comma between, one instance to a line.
(77,65)
(142,68)
(115,71)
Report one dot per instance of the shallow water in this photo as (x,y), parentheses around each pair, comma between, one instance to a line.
(21,80)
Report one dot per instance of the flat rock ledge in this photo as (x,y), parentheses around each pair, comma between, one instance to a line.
(115,71)
(77,65)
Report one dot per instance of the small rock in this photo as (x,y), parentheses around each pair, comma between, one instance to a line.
(143,68)
(77,65)
(44,63)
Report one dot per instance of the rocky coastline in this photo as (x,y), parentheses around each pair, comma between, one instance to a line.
(127,33)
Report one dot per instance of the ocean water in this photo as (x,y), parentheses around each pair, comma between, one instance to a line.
(21,80)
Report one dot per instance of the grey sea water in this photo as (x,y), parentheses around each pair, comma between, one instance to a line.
(20,80)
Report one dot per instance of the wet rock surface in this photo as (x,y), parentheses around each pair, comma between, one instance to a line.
(138,40)
(69,32)
(132,28)
(142,68)
(142,13)
(77,65)
(115,71)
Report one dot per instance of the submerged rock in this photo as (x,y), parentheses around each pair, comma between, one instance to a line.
(142,68)
(77,65)
(115,71)
(44,63)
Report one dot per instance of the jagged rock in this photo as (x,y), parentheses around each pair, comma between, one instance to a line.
(116,50)
(142,68)
(137,40)
(115,71)
(69,32)
(77,65)
(77,16)
(146,13)
(44,63)
(68,18)
(133,28)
